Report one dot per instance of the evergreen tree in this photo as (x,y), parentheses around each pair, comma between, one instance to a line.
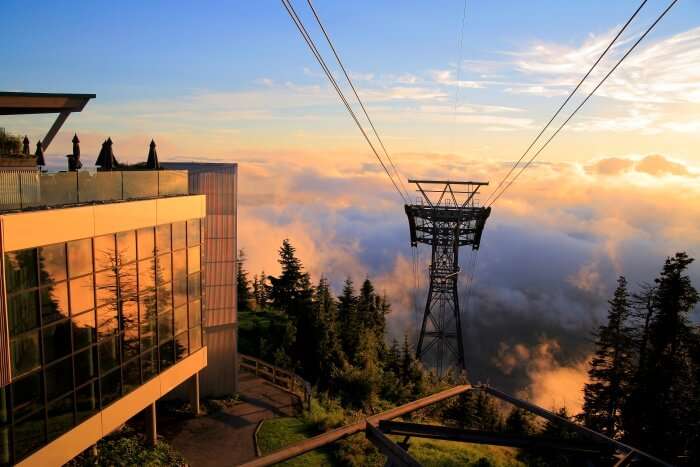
(610,369)
(285,288)
(242,282)
(519,422)
(349,322)
(328,358)
(661,414)
(260,290)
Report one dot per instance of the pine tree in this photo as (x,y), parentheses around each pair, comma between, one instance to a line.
(519,422)
(243,283)
(260,290)
(610,369)
(329,356)
(349,322)
(661,414)
(285,288)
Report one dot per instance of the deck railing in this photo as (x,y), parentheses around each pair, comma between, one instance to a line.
(281,378)
(37,190)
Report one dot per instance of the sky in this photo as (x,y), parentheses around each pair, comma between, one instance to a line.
(615,193)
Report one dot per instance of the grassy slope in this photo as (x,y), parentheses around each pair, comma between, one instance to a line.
(436,453)
(277,433)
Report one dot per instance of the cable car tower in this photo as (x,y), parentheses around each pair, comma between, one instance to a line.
(446,216)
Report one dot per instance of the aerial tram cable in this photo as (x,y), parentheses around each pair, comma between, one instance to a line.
(347,77)
(529,162)
(566,101)
(312,46)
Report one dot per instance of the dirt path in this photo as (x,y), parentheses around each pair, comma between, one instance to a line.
(225,438)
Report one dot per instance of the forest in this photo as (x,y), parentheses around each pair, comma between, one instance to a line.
(644,373)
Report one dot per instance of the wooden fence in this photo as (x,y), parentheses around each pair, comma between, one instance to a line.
(283,379)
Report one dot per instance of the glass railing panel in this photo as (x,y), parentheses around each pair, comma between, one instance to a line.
(56,189)
(172,182)
(99,186)
(140,184)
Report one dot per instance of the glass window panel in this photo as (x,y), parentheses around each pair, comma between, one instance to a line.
(109,355)
(105,252)
(27,395)
(60,417)
(179,264)
(111,387)
(195,313)
(127,282)
(193,232)
(126,246)
(147,306)
(82,294)
(166,353)
(179,292)
(106,288)
(29,434)
(107,322)
(179,235)
(146,247)
(130,325)
(85,366)
(130,345)
(164,271)
(25,352)
(195,338)
(149,364)
(57,341)
(20,270)
(54,302)
(4,445)
(165,327)
(52,262)
(83,329)
(80,257)
(23,311)
(195,286)
(132,375)
(59,379)
(165,297)
(193,258)
(86,401)
(163,238)
(147,275)
(180,319)
(148,332)
(181,346)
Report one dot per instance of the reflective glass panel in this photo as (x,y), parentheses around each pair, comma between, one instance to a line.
(85,366)
(127,282)
(106,288)
(147,276)
(54,302)
(180,319)
(165,297)
(60,417)
(145,242)
(148,333)
(163,238)
(108,352)
(105,252)
(179,264)
(52,261)
(130,324)
(166,353)
(165,327)
(193,232)
(149,364)
(180,292)
(27,394)
(25,353)
(164,271)
(111,386)
(20,270)
(83,329)
(57,341)
(193,258)
(126,246)
(59,378)
(87,401)
(195,338)
(195,313)
(82,294)
(195,286)
(181,346)
(179,235)
(23,311)
(132,375)
(80,257)
(29,434)
(107,322)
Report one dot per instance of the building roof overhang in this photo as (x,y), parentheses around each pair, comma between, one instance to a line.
(22,103)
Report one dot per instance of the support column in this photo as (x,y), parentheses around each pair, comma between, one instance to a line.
(151,425)
(194,394)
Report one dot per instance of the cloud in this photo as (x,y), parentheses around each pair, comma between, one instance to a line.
(654,165)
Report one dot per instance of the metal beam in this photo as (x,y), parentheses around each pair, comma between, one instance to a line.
(485,437)
(328,437)
(546,414)
(396,455)
(625,460)
(449,182)
(23,103)
(57,124)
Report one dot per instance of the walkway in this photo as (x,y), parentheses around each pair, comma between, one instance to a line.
(225,438)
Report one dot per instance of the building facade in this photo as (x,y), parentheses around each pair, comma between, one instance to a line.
(219,183)
(101,307)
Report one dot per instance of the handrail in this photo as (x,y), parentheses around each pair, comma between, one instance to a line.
(279,377)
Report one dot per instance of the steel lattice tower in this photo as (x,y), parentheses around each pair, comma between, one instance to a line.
(446,217)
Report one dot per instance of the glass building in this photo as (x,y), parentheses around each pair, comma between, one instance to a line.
(96,320)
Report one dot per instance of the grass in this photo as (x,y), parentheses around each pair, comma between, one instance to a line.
(437,453)
(277,433)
